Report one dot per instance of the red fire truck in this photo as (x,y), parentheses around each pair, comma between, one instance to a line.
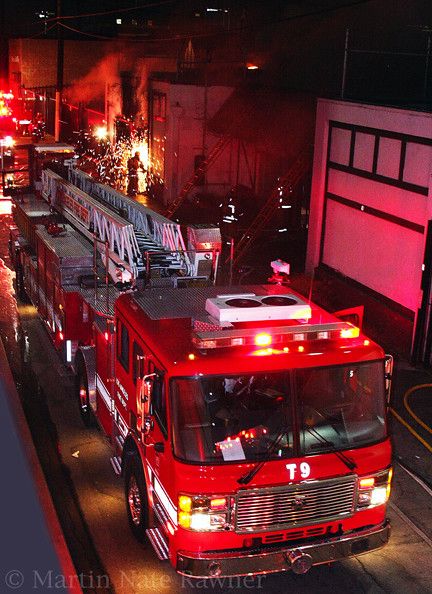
(7,130)
(250,428)
(249,425)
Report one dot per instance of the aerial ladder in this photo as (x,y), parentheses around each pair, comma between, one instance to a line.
(139,240)
(288,182)
(197,174)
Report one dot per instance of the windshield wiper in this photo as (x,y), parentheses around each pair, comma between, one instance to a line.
(248,476)
(349,463)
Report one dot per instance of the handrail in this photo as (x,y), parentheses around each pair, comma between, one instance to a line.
(153,225)
(91,217)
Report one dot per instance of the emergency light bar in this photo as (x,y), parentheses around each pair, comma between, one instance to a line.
(274,336)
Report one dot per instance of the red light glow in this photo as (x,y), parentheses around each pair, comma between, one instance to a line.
(170,528)
(218,503)
(263,352)
(263,339)
(350,332)
(367,483)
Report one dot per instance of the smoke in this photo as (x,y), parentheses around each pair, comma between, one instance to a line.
(143,68)
(92,86)
(141,73)
(101,87)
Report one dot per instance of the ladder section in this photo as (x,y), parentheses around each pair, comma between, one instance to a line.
(197,174)
(154,233)
(92,218)
(288,182)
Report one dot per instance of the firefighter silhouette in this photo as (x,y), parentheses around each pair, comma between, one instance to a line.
(134,165)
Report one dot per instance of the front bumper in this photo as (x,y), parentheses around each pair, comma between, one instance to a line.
(226,564)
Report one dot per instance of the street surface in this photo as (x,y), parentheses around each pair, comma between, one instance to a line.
(90,501)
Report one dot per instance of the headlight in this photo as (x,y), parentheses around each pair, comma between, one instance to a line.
(374,490)
(203,513)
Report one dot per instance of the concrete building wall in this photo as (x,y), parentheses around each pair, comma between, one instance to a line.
(371,196)
(180,135)
(35,60)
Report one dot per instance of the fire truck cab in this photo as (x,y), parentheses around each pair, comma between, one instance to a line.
(249,426)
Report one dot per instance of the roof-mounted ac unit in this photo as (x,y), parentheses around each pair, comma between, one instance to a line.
(249,307)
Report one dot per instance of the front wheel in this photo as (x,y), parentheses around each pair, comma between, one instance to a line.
(136,499)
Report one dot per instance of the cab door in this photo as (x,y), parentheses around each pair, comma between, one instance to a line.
(156,445)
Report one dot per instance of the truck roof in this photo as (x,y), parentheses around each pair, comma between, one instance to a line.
(69,245)
(184,328)
(32,206)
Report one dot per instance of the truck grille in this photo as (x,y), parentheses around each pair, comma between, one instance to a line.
(295,505)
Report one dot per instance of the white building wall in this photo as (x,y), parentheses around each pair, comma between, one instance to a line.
(184,133)
(371,196)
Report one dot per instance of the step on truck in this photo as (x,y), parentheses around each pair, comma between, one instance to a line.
(249,427)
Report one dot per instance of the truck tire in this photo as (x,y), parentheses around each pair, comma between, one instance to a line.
(136,498)
(83,398)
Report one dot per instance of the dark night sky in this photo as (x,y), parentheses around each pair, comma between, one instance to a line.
(300,42)
(21,15)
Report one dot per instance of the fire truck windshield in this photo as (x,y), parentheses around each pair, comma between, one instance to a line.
(341,407)
(237,418)
(226,418)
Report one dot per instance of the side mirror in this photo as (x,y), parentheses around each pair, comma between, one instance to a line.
(353,315)
(146,389)
(388,374)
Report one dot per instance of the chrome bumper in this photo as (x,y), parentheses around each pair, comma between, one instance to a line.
(226,564)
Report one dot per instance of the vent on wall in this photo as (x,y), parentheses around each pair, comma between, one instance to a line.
(249,307)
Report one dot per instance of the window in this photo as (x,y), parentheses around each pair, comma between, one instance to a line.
(138,362)
(123,346)
(159,106)
(159,398)
(251,411)
(341,407)
(268,416)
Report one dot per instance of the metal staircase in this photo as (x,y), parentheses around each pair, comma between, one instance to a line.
(289,181)
(197,174)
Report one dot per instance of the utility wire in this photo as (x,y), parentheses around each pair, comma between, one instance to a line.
(44,32)
(241,29)
(93,35)
(107,12)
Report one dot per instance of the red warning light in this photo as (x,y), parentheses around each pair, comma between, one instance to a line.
(263,339)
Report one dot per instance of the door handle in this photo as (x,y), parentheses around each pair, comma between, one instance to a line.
(148,425)
(159,446)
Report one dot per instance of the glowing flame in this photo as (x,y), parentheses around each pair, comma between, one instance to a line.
(101,132)
(108,163)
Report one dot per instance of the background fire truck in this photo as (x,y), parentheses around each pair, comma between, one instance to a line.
(7,130)
(249,424)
